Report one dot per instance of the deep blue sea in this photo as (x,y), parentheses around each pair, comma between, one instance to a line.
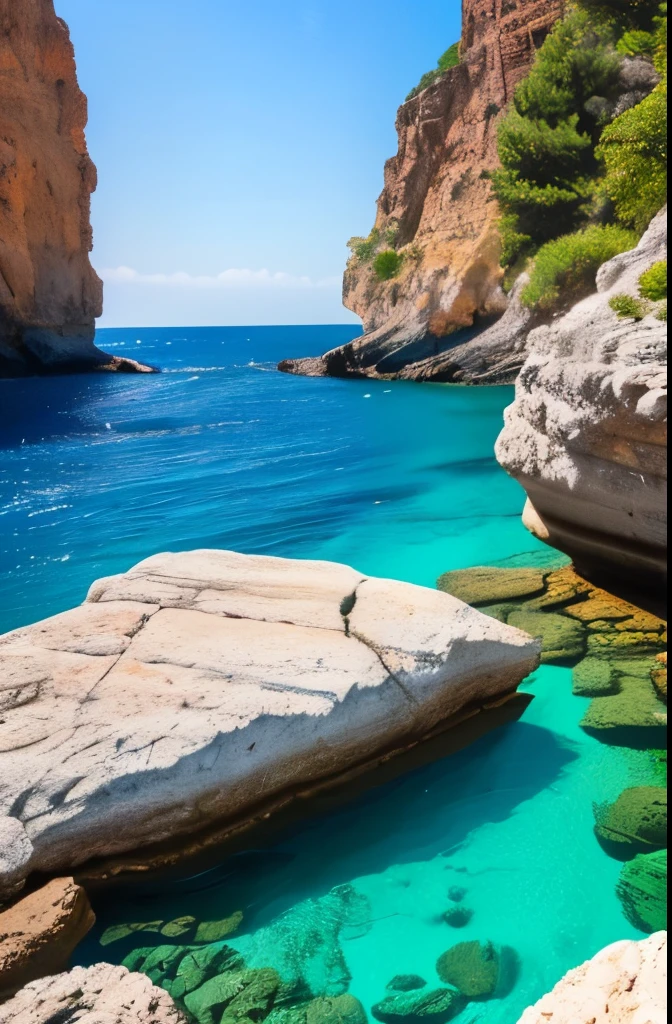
(397,479)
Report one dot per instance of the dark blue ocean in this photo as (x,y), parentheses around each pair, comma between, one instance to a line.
(398,479)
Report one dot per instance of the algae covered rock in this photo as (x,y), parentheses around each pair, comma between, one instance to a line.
(634,717)
(344,1009)
(488,584)
(635,823)
(593,677)
(479,970)
(420,1007)
(406,983)
(659,676)
(642,890)
(562,638)
(456,893)
(458,916)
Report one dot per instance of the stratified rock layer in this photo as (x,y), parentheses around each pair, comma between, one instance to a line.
(587,433)
(624,984)
(38,934)
(102,993)
(437,200)
(211,687)
(49,294)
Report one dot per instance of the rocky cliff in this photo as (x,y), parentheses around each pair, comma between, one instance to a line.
(587,433)
(49,293)
(437,204)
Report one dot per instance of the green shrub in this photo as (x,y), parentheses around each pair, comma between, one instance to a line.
(446,61)
(637,44)
(623,13)
(387,264)
(653,282)
(546,142)
(662,313)
(565,268)
(625,307)
(364,249)
(449,59)
(634,150)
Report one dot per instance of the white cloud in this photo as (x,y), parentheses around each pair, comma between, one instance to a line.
(228,279)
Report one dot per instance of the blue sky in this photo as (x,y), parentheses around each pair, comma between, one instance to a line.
(239,145)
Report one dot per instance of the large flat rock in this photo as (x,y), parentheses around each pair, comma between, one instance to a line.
(200,688)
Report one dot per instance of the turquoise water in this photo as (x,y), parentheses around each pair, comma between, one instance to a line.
(398,480)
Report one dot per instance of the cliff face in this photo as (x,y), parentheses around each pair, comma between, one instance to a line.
(49,293)
(587,433)
(440,206)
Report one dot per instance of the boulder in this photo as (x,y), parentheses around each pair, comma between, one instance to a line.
(586,435)
(562,639)
(659,676)
(343,1009)
(642,890)
(16,850)
(479,970)
(102,993)
(40,931)
(626,983)
(419,1007)
(200,689)
(458,916)
(488,584)
(456,893)
(634,717)
(594,677)
(635,823)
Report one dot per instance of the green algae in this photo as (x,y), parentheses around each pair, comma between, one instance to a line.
(635,823)
(642,890)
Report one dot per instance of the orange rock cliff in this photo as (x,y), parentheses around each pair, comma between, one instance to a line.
(49,293)
(438,202)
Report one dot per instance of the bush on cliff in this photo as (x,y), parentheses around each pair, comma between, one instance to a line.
(387,264)
(447,60)
(564,269)
(625,14)
(546,185)
(653,282)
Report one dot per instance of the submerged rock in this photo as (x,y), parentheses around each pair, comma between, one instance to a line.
(562,639)
(626,983)
(659,676)
(586,435)
(224,686)
(40,931)
(102,993)
(634,717)
(406,983)
(420,1007)
(458,917)
(479,970)
(642,890)
(456,893)
(487,584)
(594,677)
(343,1009)
(635,823)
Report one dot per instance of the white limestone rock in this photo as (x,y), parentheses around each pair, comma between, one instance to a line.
(200,686)
(626,983)
(16,850)
(587,433)
(101,994)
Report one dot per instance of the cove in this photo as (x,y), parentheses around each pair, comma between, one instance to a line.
(398,480)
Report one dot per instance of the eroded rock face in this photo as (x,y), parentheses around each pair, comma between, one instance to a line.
(587,433)
(49,293)
(209,686)
(439,203)
(624,984)
(40,931)
(100,993)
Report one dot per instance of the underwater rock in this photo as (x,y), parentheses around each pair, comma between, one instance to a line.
(635,823)
(458,917)
(181,969)
(102,994)
(562,639)
(406,983)
(236,992)
(659,676)
(633,717)
(626,983)
(456,893)
(16,850)
(594,677)
(487,584)
(226,685)
(435,1007)
(215,931)
(187,928)
(343,1009)
(642,890)
(586,435)
(39,932)
(479,970)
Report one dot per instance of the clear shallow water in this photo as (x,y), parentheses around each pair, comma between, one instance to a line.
(398,480)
